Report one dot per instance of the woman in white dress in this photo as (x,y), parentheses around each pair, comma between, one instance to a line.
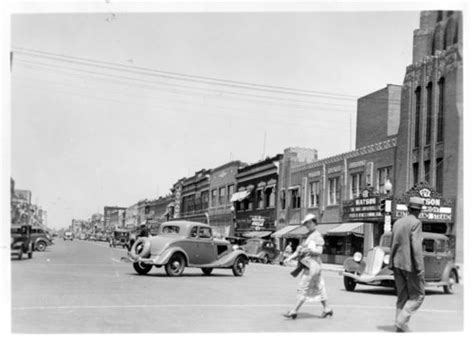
(311,286)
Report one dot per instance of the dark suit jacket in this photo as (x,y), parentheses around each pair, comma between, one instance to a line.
(407,251)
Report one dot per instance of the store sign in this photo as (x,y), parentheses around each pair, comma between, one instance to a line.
(366,207)
(435,208)
(254,223)
(257,222)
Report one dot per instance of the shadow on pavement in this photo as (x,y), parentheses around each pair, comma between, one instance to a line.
(391,291)
(387,328)
(183,276)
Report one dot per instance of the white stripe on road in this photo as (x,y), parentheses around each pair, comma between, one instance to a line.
(26,308)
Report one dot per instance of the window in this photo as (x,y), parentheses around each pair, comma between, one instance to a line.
(440,131)
(417,116)
(356,185)
(415,173)
(333,191)
(295,198)
(213,197)
(259,194)
(439,175)
(170,230)
(230,192)
(222,196)
(270,197)
(197,203)
(383,174)
(205,232)
(314,190)
(429,112)
(428,245)
(283,199)
(205,199)
(427,166)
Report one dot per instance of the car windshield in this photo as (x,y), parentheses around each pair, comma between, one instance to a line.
(386,241)
(170,230)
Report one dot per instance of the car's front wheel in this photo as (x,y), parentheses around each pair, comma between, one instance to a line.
(349,283)
(141,268)
(239,266)
(41,246)
(265,259)
(449,288)
(175,265)
(206,271)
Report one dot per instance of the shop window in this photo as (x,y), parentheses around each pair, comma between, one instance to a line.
(295,198)
(440,121)
(283,199)
(270,197)
(205,199)
(314,191)
(417,116)
(222,196)
(213,197)
(427,166)
(333,191)
(259,195)
(383,174)
(356,185)
(429,112)
(230,192)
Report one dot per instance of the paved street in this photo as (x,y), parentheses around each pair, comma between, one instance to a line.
(83,287)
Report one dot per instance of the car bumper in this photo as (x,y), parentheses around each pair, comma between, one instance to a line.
(368,279)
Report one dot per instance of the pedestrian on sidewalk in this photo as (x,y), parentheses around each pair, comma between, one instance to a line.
(406,260)
(311,286)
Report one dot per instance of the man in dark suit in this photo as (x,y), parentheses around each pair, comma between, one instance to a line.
(406,261)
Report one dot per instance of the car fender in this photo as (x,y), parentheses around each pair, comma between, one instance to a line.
(352,266)
(449,267)
(41,239)
(228,259)
(164,257)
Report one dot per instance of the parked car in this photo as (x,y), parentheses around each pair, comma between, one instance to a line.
(440,269)
(119,237)
(261,250)
(21,241)
(82,236)
(181,244)
(41,238)
(68,236)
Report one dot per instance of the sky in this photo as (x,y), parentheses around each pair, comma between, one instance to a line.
(111,108)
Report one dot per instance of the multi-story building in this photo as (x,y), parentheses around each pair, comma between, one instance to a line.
(195,197)
(131,216)
(256,198)
(107,212)
(430,138)
(222,184)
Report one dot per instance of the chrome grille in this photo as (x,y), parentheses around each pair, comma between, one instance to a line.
(374,261)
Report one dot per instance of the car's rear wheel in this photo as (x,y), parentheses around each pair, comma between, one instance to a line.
(206,271)
(141,268)
(238,267)
(175,265)
(41,246)
(349,283)
(449,288)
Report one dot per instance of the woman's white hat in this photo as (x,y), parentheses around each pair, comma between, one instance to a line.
(308,218)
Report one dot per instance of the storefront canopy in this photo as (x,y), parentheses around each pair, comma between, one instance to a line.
(282,232)
(257,234)
(298,231)
(239,196)
(347,229)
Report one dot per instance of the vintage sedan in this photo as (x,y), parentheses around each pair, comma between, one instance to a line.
(181,244)
(440,269)
(261,250)
(21,241)
(119,237)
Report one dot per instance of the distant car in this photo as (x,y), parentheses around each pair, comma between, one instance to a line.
(181,244)
(119,238)
(92,237)
(261,250)
(68,236)
(440,269)
(21,241)
(82,236)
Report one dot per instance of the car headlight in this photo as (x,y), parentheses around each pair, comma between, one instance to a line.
(235,247)
(386,259)
(357,257)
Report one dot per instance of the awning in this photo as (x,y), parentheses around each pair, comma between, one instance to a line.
(347,229)
(239,196)
(256,234)
(280,233)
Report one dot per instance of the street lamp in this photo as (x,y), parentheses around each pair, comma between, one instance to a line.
(387,186)
(388,207)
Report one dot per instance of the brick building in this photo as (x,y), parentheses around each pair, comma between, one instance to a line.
(256,198)
(430,136)
(194,197)
(222,185)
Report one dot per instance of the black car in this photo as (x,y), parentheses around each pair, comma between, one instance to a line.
(119,238)
(21,241)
